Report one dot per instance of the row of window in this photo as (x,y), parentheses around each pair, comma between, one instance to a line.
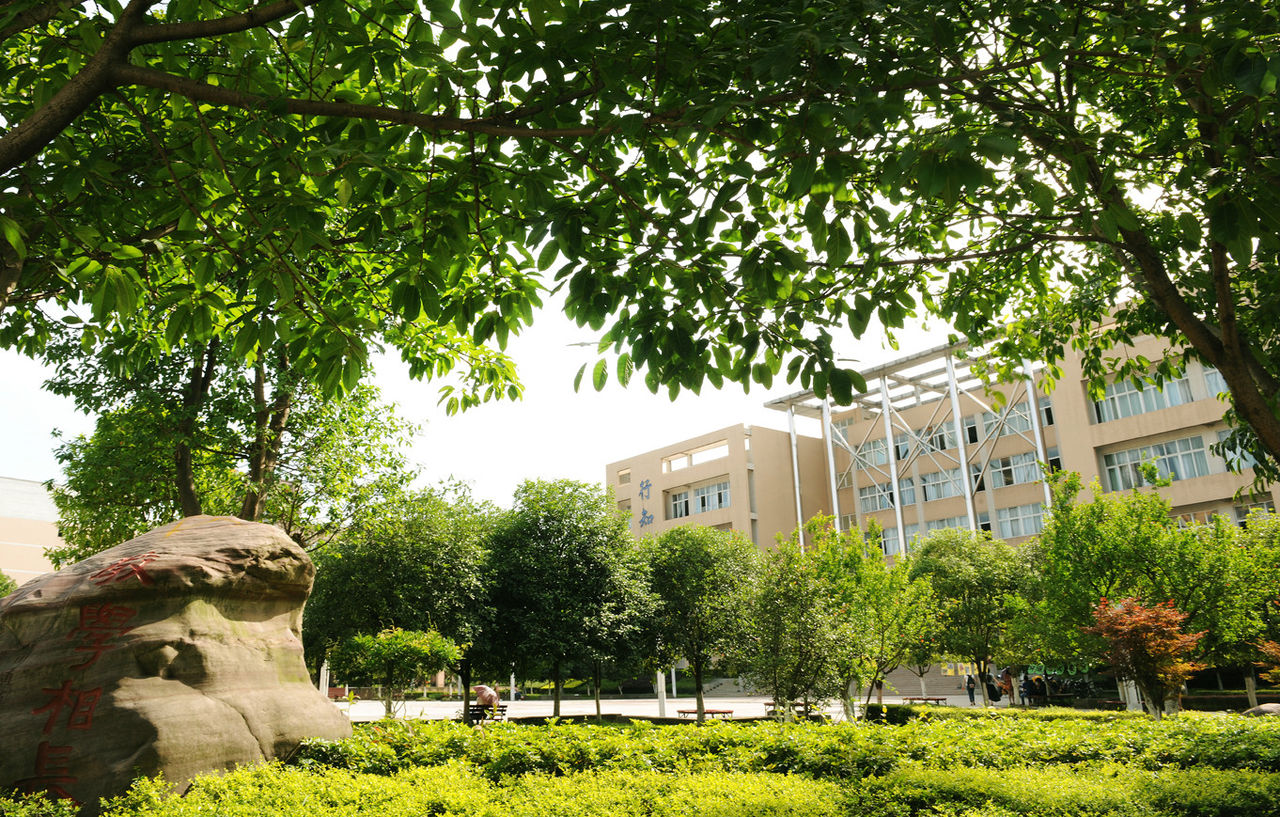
(1020,520)
(942,437)
(1124,399)
(1004,471)
(705,498)
(1174,459)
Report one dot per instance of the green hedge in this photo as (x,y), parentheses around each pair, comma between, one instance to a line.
(842,751)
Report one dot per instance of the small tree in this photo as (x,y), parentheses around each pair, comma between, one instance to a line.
(1147,645)
(882,612)
(793,643)
(700,577)
(394,659)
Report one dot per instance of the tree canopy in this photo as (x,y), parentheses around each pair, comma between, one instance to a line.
(727,186)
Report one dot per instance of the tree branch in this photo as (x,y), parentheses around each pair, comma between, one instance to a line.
(256,17)
(215,95)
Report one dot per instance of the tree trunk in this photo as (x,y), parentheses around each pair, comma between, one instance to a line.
(697,688)
(595,683)
(193,397)
(264,452)
(1251,687)
(464,680)
(555,679)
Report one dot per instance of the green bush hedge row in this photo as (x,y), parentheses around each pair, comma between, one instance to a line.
(453,789)
(839,751)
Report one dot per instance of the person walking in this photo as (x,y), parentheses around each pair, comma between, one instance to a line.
(970,684)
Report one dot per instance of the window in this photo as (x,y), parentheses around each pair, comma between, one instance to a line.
(889,539)
(978,477)
(881,497)
(1235,461)
(848,521)
(1175,459)
(1046,411)
(902,445)
(624,476)
(1021,520)
(940,484)
(1214,382)
(677,504)
(950,522)
(971,429)
(1123,399)
(1015,469)
(984,521)
(845,480)
(711,497)
(940,437)
(1263,506)
(1016,420)
(871,453)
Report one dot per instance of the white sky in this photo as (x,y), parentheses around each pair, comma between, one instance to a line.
(552,433)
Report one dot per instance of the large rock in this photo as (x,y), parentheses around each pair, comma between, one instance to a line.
(176,652)
(1263,709)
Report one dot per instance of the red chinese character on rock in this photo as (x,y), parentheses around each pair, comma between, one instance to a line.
(99,623)
(81,702)
(52,771)
(125,568)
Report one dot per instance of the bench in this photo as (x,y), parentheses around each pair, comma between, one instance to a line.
(926,699)
(479,713)
(723,714)
(798,709)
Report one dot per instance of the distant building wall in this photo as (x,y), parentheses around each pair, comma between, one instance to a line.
(28,525)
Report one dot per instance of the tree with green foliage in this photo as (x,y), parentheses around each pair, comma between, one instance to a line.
(727,187)
(1147,645)
(793,641)
(414,560)
(393,659)
(1129,545)
(979,582)
(883,613)
(185,437)
(701,579)
(565,578)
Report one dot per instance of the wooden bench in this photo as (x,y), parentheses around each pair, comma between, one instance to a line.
(710,713)
(798,709)
(925,699)
(479,713)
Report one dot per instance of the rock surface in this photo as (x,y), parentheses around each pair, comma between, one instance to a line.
(176,652)
(1264,709)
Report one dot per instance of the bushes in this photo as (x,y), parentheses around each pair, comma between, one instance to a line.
(282,792)
(989,765)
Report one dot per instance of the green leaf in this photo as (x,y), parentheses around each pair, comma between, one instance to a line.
(13,235)
(600,374)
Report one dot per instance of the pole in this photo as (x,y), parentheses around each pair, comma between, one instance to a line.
(831,464)
(513,688)
(675,693)
(795,471)
(886,409)
(662,694)
(962,452)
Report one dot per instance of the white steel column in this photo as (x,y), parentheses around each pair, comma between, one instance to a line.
(795,472)
(827,433)
(1033,405)
(892,450)
(662,694)
(966,475)
(513,688)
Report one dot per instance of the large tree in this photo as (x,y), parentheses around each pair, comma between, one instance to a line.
(980,584)
(729,183)
(190,433)
(701,578)
(566,578)
(1128,545)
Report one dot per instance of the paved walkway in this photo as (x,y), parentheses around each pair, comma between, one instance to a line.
(743,707)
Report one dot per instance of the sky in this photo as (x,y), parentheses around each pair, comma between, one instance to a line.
(552,433)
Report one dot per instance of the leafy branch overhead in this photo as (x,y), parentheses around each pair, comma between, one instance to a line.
(721,191)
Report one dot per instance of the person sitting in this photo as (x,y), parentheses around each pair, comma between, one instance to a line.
(486,696)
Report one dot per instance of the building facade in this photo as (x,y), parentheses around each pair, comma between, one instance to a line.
(742,478)
(28,525)
(929,446)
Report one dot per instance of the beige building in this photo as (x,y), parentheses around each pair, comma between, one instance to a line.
(28,525)
(738,478)
(927,446)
